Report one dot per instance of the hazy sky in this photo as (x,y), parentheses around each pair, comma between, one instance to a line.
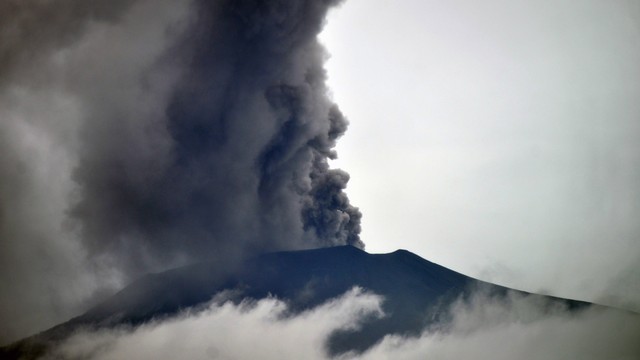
(498,138)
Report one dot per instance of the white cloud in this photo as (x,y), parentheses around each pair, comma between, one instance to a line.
(484,328)
(521,328)
(259,330)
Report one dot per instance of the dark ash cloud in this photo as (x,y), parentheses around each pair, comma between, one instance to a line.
(237,161)
(138,135)
(30,27)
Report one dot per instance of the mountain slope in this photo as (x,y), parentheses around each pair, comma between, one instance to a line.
(416,291)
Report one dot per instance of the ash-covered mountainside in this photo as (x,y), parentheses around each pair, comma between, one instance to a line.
(416,292)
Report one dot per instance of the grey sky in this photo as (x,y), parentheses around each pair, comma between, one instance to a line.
(498,138)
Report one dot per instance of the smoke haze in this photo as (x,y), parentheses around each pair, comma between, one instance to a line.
(140,135)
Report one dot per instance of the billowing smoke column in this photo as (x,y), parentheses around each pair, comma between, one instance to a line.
(239,161)
(137,135)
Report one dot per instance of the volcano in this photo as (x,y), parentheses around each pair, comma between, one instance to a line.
(416,294)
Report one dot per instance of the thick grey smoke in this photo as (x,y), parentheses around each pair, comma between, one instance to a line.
(30,27)
(138,135)
(235,157)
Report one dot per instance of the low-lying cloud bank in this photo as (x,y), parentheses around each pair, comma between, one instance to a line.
(250,330)
(484,327)
(521,328)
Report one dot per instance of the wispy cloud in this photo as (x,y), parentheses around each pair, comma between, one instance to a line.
(515,327)
(250,330)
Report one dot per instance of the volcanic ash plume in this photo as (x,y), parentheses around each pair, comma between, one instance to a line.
(143,134)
